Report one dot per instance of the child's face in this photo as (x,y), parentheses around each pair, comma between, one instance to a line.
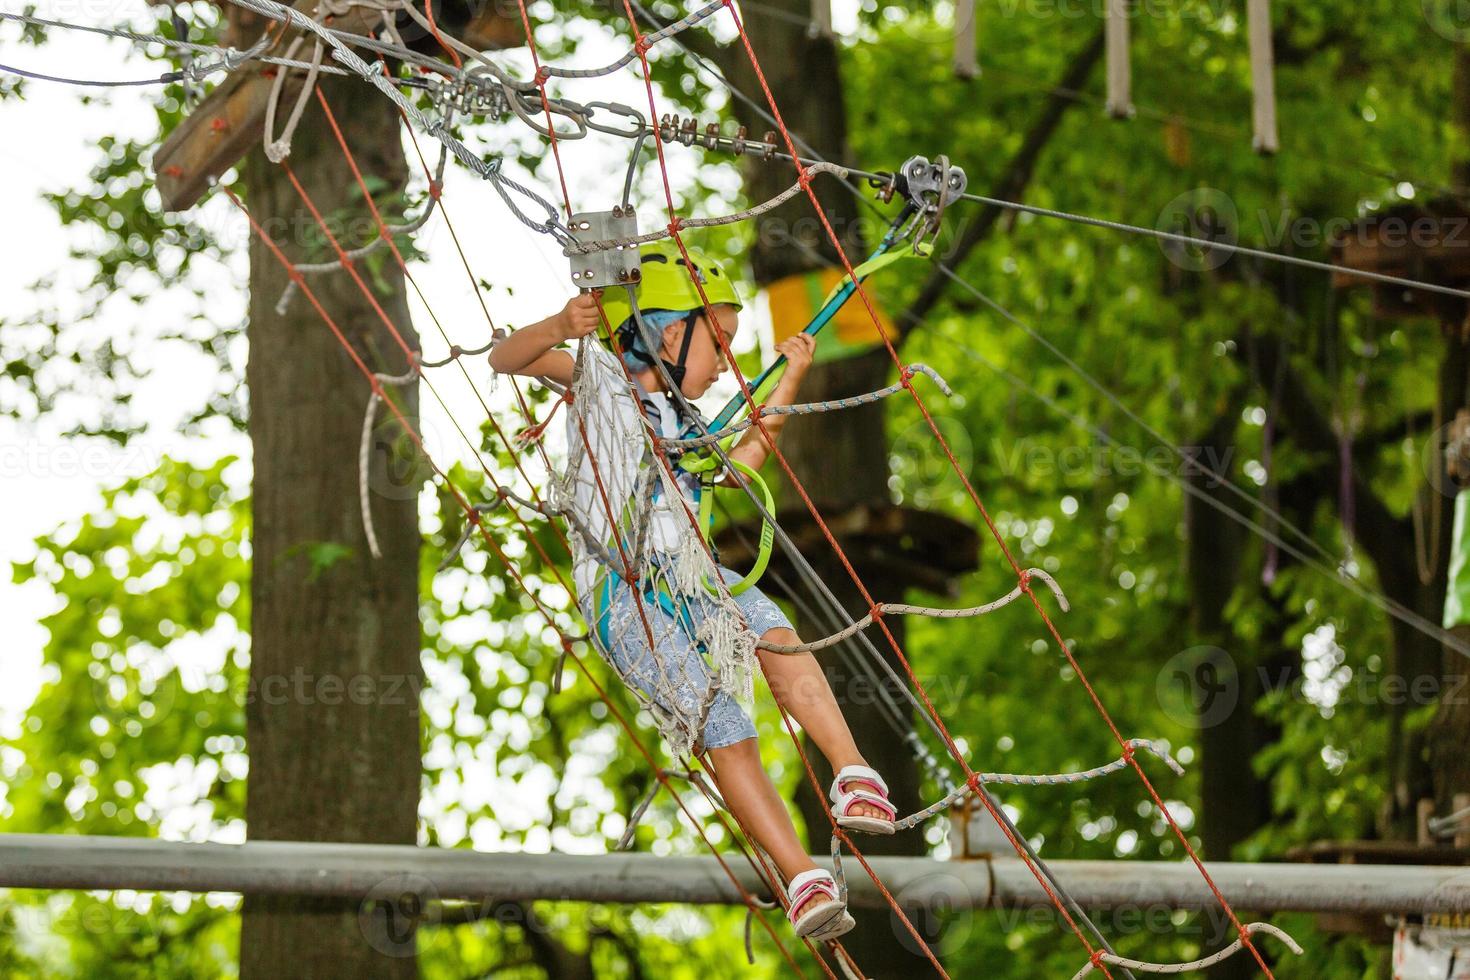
(706,360)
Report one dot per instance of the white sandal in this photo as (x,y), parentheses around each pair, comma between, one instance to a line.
(842,801)
(819,920)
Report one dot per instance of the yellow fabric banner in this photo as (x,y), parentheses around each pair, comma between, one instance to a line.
(796,299)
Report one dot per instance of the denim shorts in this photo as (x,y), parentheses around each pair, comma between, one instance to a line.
(726,723)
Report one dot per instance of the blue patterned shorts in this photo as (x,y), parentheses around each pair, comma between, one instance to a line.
(727,723)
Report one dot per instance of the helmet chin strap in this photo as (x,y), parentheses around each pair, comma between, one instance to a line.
(677,368)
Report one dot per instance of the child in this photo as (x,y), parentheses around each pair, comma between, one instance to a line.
(654,632)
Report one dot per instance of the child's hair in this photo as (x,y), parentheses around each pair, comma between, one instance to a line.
(635,352)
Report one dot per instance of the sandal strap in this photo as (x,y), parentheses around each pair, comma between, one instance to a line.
(846,800)
(855,774)
(804,885)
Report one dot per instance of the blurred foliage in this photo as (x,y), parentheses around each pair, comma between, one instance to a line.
(139,729)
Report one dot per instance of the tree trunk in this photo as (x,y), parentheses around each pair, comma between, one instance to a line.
(332,719)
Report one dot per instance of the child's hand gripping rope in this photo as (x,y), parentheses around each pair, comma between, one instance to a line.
(580,316)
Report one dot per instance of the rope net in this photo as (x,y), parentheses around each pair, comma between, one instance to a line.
(677,655)
(656,602)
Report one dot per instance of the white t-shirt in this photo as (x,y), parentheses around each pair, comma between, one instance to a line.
(620,472)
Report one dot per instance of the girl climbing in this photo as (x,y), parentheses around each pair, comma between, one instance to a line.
(644,576)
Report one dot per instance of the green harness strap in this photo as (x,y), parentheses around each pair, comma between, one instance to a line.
(707,461)
(706,466)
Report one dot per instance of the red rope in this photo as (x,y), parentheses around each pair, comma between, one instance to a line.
(763,870)
(852,572)
(387,237)
(674,225)
(660,454)
(970,490)
(474,518)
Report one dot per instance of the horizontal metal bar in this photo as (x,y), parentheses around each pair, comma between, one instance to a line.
(357,871)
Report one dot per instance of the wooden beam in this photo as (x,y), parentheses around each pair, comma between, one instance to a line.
(1263,77)
(1120,67)
(219,131)
(231,119)
(391,872)
(966,31)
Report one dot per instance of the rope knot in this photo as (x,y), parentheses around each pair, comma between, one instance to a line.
(804,178)
(876,611)
(643,44)
(1025,580)
(974,783)
(454,351)
(218,124)
(1096,959)
(675,225)
(1128,752)
(543,75)
(436,187)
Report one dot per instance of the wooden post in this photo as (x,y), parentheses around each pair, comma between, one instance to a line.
(966,57)
(231,119)
(397,873)
(822,18)
(1120,71)
(1263,77)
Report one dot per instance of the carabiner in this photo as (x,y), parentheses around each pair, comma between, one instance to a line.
(628,112)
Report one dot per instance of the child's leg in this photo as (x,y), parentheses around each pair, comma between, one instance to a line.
(752,797)
(800,686)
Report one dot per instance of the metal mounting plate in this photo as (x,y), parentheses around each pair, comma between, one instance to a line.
(602,269)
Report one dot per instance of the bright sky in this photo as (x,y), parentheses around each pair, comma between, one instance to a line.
(49,479)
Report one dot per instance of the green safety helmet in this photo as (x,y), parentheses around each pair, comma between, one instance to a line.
(666,284)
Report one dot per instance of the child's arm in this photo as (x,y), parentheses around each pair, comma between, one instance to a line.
(753,449)
(530,350)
